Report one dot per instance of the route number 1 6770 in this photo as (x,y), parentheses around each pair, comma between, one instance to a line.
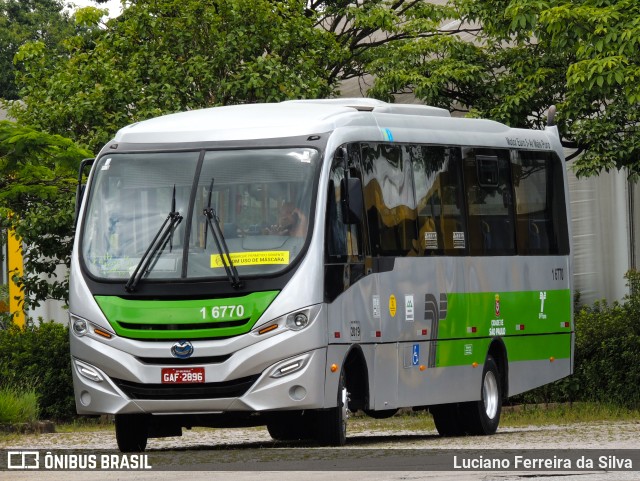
(218,312)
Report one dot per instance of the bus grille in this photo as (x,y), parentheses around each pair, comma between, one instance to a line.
(211,390)
(171,361)
(183,327)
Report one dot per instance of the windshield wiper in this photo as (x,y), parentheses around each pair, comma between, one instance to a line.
(216,232)
(159,242)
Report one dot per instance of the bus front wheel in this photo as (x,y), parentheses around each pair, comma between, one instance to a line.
(332,423)
(290,426)
(132,432)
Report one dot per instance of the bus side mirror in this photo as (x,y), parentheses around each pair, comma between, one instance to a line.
(81,187)
(351,202)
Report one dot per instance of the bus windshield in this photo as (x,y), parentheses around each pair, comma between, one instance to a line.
(261,199)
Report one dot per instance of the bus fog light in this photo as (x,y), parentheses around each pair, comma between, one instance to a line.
(80,326)
(85,370)
(85,398)
(297,393)
(297,321)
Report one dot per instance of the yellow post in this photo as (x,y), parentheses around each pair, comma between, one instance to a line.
(15,267)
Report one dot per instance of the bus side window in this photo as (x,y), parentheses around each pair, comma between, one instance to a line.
(541,222)
(343,241)
(488,189)
(336,228)
(440,204)
(389,200)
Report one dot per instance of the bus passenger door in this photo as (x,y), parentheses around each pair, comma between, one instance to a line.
(349,290)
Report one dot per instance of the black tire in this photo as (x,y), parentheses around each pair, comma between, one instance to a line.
(132,432)
(331,427)
(447,419)
(482,417)
(290,426)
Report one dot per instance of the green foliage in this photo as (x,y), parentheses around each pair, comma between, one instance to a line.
(37,186)
(38,357)
(607,355)
(24,21)
(163,56)
(18,405)
(581,55)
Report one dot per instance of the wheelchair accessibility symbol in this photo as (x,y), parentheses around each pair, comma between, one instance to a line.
(416,355)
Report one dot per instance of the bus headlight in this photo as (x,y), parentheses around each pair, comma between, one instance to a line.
(80,326)
(298,320)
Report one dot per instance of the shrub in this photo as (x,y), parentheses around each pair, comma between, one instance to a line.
(38,356)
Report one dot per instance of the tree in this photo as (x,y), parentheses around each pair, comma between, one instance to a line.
(163,56)
(582,55)
(24,21)
(37,182)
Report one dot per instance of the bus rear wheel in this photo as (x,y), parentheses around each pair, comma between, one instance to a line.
(447,419)
(332,423)
(482,417)
(132,432)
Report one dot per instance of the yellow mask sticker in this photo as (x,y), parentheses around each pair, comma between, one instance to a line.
(252,258)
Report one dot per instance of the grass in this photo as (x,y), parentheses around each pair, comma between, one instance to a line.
(18,405)
(86,424)
(420,421)
(517,416)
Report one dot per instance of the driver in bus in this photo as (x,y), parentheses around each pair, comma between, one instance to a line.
(291,222)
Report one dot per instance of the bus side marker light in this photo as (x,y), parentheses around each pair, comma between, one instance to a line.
(378,333)
(519,327)
(475,364)
(472,329)
(336,334)
(102,333)
(270,328)
(551,359)
(564,324)
(334,367)
(422,367)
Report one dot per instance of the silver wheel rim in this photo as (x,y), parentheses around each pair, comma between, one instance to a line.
(344,401)
(490,394)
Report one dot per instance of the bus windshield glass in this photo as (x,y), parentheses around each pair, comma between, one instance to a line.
(261,199)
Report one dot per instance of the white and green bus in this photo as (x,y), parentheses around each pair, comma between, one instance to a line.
(289,264)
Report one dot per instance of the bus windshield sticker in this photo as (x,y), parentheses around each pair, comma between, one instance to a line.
(252,258)
(107,164)
(458,240)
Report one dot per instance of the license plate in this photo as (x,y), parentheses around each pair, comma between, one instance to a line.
(182,375)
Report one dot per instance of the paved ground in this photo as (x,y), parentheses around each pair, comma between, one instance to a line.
(210,449)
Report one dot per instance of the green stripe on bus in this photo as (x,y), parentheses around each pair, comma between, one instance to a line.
(534,325)
(460,352)
(482,314)
(184,319)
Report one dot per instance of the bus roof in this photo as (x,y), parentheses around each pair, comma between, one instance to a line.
(395,122)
